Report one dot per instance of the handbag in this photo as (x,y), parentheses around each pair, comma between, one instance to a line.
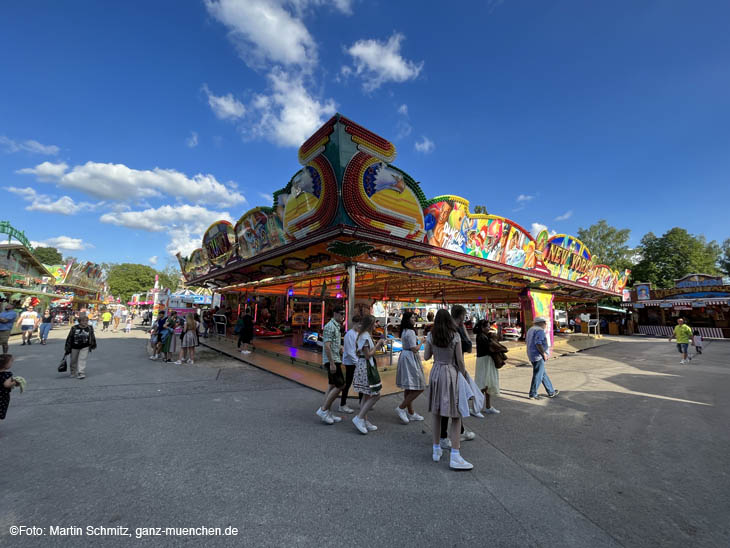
(63,366)
(374,382)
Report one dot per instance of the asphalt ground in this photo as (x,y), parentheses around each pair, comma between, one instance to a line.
(633,452)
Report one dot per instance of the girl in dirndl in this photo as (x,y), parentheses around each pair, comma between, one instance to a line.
(410,375)
(444,345)
(189,340)
(487,375)
(366,379)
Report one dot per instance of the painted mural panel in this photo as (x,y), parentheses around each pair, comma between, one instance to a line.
(310,201)
(257,231)
(219,242)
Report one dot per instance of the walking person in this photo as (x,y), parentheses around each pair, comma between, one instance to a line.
(683,334)
(349,362)
(444,345)
(28,322)
(117,319)
(106,317)
(332,362)
(79,343)
(189,340)
(367,379)
(489,352)
(697,341)
(245,333)
(409,375)
(7,320)
(537,353)
(458,315)
(45,326)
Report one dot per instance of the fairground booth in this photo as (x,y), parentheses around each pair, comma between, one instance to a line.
(701,299)
(352,228)
(81,284)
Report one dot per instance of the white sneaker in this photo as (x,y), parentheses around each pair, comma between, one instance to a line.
(370,426)
(153,357)
(334,418)
(346,409)
(359,424)
(445,443)
(458,463)
(415,417)
(324,415)
(178,362)
(468,435)
(402,415)
(437,454)
(492,411)
(682,362)
(477,414)
(190,361)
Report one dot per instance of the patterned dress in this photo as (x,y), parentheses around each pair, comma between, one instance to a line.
(360,380)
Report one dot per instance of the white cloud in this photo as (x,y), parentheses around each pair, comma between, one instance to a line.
(32,146)
(264,31)
(119,182)
(380,62)
(267,197)
(192,141)
(403,109)
(403,126)
(539,227)
(425,145)
(64,205)
(152,260)
(344,6)
(565,216)
(185,224)
(46,171)
(63,242)
(524,198)
(225,107)
(289,114)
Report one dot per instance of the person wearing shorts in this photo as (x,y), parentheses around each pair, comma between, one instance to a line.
(332,361)
(683,334)
(28,322)
(7,320)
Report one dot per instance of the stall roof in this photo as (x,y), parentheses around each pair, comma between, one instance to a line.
(26,252)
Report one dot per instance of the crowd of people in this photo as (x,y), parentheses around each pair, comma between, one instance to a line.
(172,336)
(452,393)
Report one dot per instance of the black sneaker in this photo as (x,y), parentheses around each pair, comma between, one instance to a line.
(555,393)
(23,344)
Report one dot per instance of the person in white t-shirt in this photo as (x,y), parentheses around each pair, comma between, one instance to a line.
(349,361)
(28,322)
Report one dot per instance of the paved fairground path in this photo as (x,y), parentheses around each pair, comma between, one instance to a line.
(633,452)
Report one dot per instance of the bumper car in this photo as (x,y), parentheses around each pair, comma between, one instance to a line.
(312,339)
(511,333)
(264,332)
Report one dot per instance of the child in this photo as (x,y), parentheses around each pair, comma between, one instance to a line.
(128,326)
(697,341)
(7,383)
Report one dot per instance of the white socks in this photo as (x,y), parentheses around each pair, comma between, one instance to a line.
(454,453)
(436,447)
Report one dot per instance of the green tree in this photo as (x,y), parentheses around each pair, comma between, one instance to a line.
(127,278)
(170,277)
(480,209)
(608,245)
(674,255)
(725,258)
(48,255)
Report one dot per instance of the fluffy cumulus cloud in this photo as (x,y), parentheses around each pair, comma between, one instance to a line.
(264,31)
(380,62)
(524,198)
(64,205)
(153,260)
(30,145)
(63,242)
(289,114)
(225,107)
(565,216)
(119,182)
(185,224)
(425,145)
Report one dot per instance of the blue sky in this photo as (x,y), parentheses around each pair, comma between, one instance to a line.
(126,128)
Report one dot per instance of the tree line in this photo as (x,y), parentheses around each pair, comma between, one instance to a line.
(659,260)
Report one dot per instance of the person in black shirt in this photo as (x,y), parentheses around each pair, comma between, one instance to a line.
(79,343)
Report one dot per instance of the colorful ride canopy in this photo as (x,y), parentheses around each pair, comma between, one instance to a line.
(347,180)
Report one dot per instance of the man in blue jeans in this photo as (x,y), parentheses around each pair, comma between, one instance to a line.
(537,354)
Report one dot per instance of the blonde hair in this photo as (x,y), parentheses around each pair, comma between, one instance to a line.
(190,322)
